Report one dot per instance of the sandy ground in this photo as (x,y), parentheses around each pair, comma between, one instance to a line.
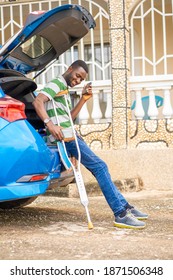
(53,228)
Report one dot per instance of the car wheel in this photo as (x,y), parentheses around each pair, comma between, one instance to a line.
(17,203)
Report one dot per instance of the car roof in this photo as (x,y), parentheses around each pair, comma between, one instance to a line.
(44,37)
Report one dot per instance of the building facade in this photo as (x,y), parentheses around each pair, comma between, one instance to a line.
(130,55)
(142,55)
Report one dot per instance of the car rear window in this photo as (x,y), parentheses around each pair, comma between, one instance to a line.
(36,46)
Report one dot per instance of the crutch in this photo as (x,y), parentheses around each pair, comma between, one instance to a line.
(68,163)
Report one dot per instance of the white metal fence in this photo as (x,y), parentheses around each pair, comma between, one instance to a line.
(151,82)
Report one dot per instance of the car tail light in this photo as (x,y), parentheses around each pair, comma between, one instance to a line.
(32,178)
(11,109)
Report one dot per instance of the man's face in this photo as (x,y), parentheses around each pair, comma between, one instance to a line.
(74,76)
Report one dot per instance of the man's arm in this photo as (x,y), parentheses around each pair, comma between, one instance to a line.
(41,112)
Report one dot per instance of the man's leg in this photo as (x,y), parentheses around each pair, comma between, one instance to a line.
(99,169)
(119,205)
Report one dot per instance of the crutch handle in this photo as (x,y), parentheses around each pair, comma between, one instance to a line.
(63,92)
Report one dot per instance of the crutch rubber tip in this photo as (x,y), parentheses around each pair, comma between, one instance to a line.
(90,225)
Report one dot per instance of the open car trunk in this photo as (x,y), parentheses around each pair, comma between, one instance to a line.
(44,37)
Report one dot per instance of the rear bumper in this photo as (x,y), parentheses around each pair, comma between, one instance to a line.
(66,178)
(22,190)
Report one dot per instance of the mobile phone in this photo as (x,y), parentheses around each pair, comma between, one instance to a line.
(86,88)
(89,84)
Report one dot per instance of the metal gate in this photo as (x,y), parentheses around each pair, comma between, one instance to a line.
(94,48)
(151,28)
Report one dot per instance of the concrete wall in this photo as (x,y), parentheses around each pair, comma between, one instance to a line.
(154,167)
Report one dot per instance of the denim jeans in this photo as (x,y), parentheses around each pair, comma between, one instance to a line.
(99,169)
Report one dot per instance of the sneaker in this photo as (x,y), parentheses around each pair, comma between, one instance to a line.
(128,221)
(138,214)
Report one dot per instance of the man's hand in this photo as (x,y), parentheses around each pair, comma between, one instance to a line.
(87,92)
(55,130)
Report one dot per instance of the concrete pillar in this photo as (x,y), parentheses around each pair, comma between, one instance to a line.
(119,38)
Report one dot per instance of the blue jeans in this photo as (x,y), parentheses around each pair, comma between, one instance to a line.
(99,169)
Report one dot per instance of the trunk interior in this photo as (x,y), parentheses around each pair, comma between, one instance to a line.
(21,88)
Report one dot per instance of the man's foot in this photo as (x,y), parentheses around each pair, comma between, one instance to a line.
(128,221)
(138,214)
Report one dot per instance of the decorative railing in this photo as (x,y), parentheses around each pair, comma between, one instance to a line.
(99,108)
(152,97)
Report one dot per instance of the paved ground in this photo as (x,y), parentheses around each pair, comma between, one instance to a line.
(54,228)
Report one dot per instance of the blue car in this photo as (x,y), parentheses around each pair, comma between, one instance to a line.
(28,166)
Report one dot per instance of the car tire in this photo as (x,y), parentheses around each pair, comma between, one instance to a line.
(17,203)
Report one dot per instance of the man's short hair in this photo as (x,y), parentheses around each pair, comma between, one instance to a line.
(80,63)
